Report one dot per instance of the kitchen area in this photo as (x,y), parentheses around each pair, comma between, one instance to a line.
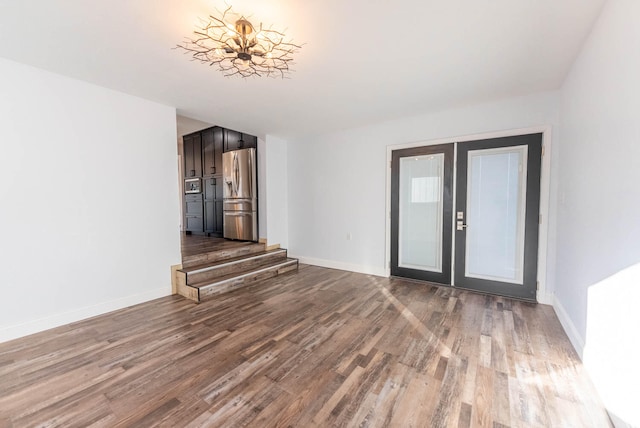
(219,167)
(220,244)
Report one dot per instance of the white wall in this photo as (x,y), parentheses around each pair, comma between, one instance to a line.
(276,185)
(186,125)
(90,214)
(337,181)
(598,253)
(262,190)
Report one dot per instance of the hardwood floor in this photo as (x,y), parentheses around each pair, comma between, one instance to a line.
(319,347)
(192,245)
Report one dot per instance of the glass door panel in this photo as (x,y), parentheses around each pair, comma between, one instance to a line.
(420,215)
(495,213)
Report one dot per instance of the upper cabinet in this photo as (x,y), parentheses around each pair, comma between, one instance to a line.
(235,140)
(192,155)
(203,150)
(212,146)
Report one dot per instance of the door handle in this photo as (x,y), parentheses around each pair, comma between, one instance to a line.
(460,225)
(236,173)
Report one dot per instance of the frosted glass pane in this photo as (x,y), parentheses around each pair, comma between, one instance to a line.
(420,213)
(495,214)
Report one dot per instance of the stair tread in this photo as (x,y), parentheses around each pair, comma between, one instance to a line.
(262,266)
(222,254)
(217,263)
(206,248)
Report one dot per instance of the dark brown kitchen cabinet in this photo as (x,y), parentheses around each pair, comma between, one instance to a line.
(213,206)
(192,155)
(194,218)
(212,146)
(234,140)
(194,225)
(213,218)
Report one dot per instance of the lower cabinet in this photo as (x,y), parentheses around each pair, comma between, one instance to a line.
(194,224)
(203,211)
(194,213)
(213,206)
(213,218)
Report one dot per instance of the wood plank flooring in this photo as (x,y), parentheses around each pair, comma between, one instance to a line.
(192,245)
(319,347)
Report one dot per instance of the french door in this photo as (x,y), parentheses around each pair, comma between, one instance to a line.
(421,210)
(495,220)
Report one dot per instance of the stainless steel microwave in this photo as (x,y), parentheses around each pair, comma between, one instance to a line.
(192,185)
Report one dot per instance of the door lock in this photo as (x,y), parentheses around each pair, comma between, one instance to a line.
(460,225)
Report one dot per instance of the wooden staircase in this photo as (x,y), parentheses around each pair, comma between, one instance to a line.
(217,271)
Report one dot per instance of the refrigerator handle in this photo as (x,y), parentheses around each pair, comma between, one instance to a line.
(236,173)
(251,174)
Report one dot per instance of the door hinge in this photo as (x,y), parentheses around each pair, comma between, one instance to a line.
(537,285)
(389,265)
(542,152)
(540,219)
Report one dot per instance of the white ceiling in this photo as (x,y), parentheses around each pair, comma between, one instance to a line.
(363,60)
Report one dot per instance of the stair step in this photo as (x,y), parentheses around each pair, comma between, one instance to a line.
(239,279)
(221,268)
(237,250)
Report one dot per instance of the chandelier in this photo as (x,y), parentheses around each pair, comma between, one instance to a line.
(238,48)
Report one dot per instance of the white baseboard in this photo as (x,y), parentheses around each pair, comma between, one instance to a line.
(35,326)
(369,270)
(576,338)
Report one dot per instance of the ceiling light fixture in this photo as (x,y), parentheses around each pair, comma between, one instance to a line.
(239,48)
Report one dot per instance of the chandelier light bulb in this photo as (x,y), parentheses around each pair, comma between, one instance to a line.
(243,27)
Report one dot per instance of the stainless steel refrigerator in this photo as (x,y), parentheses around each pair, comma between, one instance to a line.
(240,195)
